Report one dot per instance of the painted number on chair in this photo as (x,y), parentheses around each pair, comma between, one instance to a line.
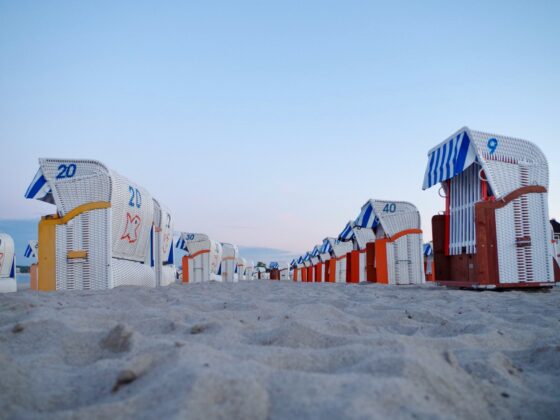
(135,197)
(492,145)
(390,208)
(190,236)
(66,171)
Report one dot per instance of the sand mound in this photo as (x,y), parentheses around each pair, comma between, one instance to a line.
(280,350)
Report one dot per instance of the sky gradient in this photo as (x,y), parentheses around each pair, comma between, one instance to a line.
(269,124)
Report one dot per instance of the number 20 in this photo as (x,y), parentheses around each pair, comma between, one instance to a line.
(135,197)
(66,171)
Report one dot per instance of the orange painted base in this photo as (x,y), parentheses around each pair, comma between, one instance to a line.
(330,271)
(353,267)
(310,274)
(34,277)
(319,273)
(185,263)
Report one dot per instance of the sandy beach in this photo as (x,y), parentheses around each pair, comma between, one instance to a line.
(280,350)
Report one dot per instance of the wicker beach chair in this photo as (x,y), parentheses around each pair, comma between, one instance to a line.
(8,282)
(105,232)
(494,231)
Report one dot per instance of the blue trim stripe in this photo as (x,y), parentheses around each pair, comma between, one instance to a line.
(35,187)
(152,263)
(462,155)
(171,256)
(347,234)
(450,159)
(28,251)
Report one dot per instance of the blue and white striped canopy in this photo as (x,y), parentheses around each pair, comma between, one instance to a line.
(327,247)
(300,260)
(28,252)
(181,244)
(31,250)
(315,251)
(307,257)
(293,263)
(367,217)
(39,189)
(449,159)
(428,250)
(348,233)
(273,265)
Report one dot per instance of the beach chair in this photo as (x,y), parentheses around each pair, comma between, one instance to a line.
(339,252)
(106,232)
(555,233)
(395,256)
(229,262)
(203,260)
(284,269)
(429,268)
(249,270)
(293,267)
(8,283)
(260,272)
(299,270)
(241,267)
(316,264)
(494,232)
(329,264)
(32,251)
(356,257)
(309,276)
(274,271)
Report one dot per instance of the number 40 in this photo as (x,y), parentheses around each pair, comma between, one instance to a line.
(390,208)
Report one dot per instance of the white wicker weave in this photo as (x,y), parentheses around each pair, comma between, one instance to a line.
(8,282)
(229,259)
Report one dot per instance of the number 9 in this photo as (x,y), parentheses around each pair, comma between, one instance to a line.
(492,145)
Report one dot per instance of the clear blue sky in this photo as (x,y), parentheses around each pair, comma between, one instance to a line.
(270,123)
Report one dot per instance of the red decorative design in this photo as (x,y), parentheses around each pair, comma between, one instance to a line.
(131,228)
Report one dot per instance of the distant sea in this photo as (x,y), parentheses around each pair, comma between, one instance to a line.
(23,278)
(25,230)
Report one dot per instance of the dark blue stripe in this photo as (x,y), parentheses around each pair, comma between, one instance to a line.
(459,166)
(152,247)
(430,178)
(35,188)
(436,165)
(367,215)
(449,159)
(171,258)
(442,162)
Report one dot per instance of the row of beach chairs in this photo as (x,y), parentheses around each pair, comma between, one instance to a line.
(493,233)
(108,231)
